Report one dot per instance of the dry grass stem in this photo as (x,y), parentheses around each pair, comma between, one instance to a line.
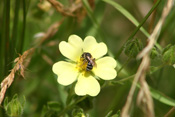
(50,32)
(23,60)
(19,66)
(144,98)
(52,43)
(47,59)
(153,37)
(63,10)
(75,9)
(170,112)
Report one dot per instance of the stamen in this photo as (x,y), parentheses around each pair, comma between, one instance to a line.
(81,65)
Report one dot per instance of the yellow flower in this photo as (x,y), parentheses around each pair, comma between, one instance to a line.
(76,68)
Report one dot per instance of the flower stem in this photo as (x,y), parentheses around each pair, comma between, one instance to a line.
(71,106)
(124,65)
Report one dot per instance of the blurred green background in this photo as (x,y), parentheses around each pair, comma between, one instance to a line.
(21,23)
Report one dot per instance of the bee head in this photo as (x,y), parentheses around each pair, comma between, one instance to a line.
(86,55)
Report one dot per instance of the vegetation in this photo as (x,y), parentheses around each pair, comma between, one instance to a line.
(140,36)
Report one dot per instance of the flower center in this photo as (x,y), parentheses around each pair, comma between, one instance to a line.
(81,65)
(85,63)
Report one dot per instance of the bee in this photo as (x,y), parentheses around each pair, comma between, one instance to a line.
(87,58)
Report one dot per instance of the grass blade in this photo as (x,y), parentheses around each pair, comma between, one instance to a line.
(15,28)
(23,27)
(161,98)
(127,15)
(157,95)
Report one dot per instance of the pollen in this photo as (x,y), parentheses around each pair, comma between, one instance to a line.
(81,65)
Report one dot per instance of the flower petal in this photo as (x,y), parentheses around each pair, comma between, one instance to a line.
(87,85)
(62,66)
(67,78)
(72,49)
(96,49)
(66,72)
(105,68)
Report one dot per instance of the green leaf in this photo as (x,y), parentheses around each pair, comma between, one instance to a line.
(117,114)
(169,55)
(133,47)
(166,48)
(154,53)
(78,112)
(113,115)
(23,101)
(127,15)
(53,105)
(15,97)
(6,103)
(14,107)
(44,111)
(109,114)
(153,69)
(160,97)
(51,109)
(86,104)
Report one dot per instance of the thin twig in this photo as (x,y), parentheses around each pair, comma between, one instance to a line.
(50,32)
(144,96)
(19,66)
(172,110)
(65,11)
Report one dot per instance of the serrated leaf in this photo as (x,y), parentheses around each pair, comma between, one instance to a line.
(15,97)
(169,55)
(78,112)
(6,103)
(23,101)
(132,48)
(166,48)
(154,53)
(14,107)
(153,69)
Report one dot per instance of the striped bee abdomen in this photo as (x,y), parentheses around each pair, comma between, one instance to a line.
(89,66)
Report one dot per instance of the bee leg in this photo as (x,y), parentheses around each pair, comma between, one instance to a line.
(84,61)
(95,65)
